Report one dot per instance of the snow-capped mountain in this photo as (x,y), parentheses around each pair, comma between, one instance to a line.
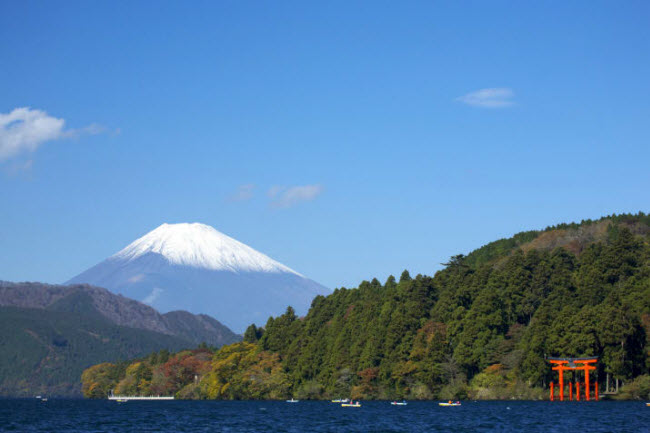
(200,246)
(196,268)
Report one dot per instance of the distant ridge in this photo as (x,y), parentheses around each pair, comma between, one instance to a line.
(121,311)
(196,268)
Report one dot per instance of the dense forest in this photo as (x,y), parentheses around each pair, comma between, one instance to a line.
(480,328)
(44,351)
(50,333)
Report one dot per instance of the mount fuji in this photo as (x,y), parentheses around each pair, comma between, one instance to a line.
(196,268)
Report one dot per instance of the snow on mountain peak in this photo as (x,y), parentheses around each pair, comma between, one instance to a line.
(201,246)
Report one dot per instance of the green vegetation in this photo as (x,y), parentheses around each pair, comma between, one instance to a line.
(478,328)
(50,333)
(573,236)
(44,352)
(638,389)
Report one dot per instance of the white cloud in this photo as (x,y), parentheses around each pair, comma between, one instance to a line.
(243,193)
(151,297)
(275,190)
(136,278)
(287,197)
(25,129)
(92,129)
(497,97)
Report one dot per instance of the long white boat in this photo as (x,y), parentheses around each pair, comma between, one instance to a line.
(139,397)
(125,398)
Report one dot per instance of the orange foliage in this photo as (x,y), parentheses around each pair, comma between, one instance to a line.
(369,374)
(494,368)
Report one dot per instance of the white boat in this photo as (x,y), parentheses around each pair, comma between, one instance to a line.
(351,404)
(341,400)
(292,401)
(399,403)
(125,398)
(450,403)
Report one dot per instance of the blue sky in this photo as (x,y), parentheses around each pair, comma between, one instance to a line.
(348,140)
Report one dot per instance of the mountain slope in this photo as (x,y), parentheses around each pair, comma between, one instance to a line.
(118,310)
(199,327)
(196,268)
(44,351)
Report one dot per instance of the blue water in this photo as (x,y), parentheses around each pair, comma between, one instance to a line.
(219,416)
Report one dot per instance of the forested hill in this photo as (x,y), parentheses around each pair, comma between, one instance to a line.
(478,328)
(574,237)
(50,333)
(99,302)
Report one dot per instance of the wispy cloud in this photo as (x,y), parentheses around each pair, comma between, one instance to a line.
(92,129)
(136,278)
(151,297)
(497,97)
(243,193)
(275,190)
(25,129)
(283,197)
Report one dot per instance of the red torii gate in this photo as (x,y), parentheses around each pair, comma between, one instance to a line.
(563,364)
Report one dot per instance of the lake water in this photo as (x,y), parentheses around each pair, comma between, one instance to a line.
(242,416)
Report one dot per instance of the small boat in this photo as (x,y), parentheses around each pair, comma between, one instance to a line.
(647,404)
(341,400)
(39,397)
(399,403)
(450,403)
(121,400)
(351,404)
(292,401)
(44,399)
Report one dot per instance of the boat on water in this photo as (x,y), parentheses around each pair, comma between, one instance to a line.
(125,398)
(399,403)
(351,404)
(292,401)
(449,403)
(341,400)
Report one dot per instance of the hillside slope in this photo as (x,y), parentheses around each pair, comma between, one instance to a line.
(44,351)
(574,237)
(97,301)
